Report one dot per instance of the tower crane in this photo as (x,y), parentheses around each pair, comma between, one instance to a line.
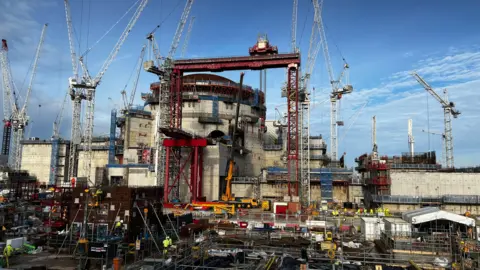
(294,25)
(187,36)
(338,87)
(444,162)
(127,103)
(313,49)
(15,116)
(449,110)
(84,88)
(54,164)
(374,138)
(161,66)
(154,64)
(411,139)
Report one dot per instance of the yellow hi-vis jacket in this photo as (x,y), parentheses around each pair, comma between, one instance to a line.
(7,251)
(118,225)
(166,243)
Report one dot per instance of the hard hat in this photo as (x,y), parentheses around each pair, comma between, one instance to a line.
(121,221)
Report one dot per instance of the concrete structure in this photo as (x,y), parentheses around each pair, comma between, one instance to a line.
(408,182)
(208,111)
(36,159)
(434,183)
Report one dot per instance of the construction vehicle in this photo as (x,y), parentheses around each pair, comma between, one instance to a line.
(219,208)
(262,47)
(228,196)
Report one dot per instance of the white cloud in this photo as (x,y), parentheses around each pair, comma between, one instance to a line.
(22,31)
(400,97)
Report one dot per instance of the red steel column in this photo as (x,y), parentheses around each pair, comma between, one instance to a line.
(166,190)
(192,177)
(195,173)
(200,174)
(292,130)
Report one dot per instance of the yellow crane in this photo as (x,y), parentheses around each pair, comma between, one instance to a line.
(227,195)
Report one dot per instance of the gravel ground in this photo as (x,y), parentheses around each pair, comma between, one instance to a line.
(64,262)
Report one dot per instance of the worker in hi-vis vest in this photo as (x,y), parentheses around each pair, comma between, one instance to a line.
(7,252)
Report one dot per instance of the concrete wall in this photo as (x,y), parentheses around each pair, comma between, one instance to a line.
(211,172)
(434,183)
(355,193)
(139,132)
(274,159)
(340,194)
(99,160)
(36,160)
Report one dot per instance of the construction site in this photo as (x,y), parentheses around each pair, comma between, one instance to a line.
(197,177)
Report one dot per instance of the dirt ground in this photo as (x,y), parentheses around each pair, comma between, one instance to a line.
(64,262)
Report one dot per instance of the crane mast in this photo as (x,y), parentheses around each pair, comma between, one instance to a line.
(374,138)
(187,36)
(180,26)
(54,158)
(8,101)
(16,117)
(128,102)
(411,139)
(314,47)
(76,95)
(163,70)
(449,110)
(337,89)
(88,85)
(294,25)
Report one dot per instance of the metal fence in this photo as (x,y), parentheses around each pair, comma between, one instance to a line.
(432,167)
(400,199)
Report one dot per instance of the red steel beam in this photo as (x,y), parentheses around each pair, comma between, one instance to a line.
(185,142)
(237,63)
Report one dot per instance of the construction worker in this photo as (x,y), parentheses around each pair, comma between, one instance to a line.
(166,243)
(7,252)
(170,242)
(119,226)
(371,211)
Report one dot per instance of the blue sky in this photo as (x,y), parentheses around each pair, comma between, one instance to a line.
(381,40)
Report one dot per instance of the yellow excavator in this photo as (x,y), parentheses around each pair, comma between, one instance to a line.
(227,195)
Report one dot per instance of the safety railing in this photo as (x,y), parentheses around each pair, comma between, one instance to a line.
(415,166)
(213,82)
(454,199)
(245,179)
(272,147)
(318,146)
(319,157)
(226,116)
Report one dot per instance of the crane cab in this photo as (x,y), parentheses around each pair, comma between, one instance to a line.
(263,47)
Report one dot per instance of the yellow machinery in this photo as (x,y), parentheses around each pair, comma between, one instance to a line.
(266,205)
(219,208)
(227,195)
